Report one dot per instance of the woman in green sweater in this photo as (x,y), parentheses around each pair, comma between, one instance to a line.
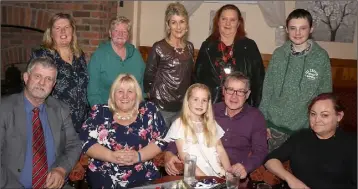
(298,71)
(113,57)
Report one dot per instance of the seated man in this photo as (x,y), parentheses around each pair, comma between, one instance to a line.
(39,145)
(245,130)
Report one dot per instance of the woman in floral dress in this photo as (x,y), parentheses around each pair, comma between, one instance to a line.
(122,137)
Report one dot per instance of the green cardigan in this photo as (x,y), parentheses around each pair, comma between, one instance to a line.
(104,67)
(290,83)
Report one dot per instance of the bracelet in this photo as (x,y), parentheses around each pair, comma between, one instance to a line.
(139,157)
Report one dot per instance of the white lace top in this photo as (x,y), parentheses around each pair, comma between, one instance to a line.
(200,150)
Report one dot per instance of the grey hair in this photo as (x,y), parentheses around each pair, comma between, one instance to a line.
(120,20)
(46,62)
(238,76)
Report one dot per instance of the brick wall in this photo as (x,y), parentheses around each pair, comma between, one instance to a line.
(92,18)
(16,46)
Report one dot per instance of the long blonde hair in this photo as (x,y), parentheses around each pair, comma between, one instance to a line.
(209,123)
(48,42)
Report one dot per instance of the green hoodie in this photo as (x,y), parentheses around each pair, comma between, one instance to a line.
(104,67)
(291,82)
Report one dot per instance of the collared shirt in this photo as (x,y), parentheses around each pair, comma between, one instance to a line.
(245,138)
(26,172)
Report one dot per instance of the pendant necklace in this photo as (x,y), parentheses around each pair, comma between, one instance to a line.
(179,52)
(227,67)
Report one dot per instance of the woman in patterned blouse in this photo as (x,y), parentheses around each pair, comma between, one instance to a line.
(60,43)
(122,137)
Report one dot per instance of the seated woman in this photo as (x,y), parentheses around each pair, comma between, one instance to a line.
(321,157)
(122,137)
(196,133)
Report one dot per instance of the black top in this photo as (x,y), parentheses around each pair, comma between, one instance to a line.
(330,163)
(247,59)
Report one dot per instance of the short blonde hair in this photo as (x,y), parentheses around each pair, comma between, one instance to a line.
(209,123)
(176,9)
(120,80)
(48,42)
(120,20)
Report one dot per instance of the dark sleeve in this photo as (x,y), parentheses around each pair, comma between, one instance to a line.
(258,75)
(89,131)
(172,148)
(258,144)
(353,160)
(284,152)
(157,134)
(151,68)
(40,52)
(200,60)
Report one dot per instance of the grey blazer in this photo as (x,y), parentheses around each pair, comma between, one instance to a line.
(13,137)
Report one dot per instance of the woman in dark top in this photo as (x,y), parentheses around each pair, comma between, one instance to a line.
(321,157)
(227,50)
(60,44)
(169,66)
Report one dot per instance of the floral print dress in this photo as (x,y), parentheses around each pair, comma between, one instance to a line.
(71,84)
(100,128)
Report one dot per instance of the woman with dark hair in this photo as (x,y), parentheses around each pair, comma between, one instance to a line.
(323,156)
(226,50)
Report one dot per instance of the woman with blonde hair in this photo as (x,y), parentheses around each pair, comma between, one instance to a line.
(60,43)
(113,57)
(196,133)
(122,137)
(169,66)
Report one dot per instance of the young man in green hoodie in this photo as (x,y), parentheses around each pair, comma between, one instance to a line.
(298,71)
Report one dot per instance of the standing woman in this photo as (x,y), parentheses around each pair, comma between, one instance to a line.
(227,50)
(298,71)
(113,57)
(168,71)
(60,43)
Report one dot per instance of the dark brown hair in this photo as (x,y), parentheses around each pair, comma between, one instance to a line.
(327,96)
(215,35)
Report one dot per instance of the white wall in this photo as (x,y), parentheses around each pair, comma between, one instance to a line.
(152,27)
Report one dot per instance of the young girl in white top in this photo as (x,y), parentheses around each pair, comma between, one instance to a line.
(196,132)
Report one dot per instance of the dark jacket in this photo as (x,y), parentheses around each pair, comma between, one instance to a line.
(248,60)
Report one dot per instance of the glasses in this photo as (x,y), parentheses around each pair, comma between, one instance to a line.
(231,91)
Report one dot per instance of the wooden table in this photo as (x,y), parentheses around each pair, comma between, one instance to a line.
(173,178)
(243,185)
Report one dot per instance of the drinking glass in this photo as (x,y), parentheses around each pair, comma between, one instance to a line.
(232,180)
(189,168)
(263,186)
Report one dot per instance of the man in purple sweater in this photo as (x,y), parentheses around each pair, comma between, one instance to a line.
(245,138)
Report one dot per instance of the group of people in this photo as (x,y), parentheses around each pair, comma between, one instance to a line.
(221,107)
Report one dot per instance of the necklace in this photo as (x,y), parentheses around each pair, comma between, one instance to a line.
(127,117)
(227,68)
(179,52)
